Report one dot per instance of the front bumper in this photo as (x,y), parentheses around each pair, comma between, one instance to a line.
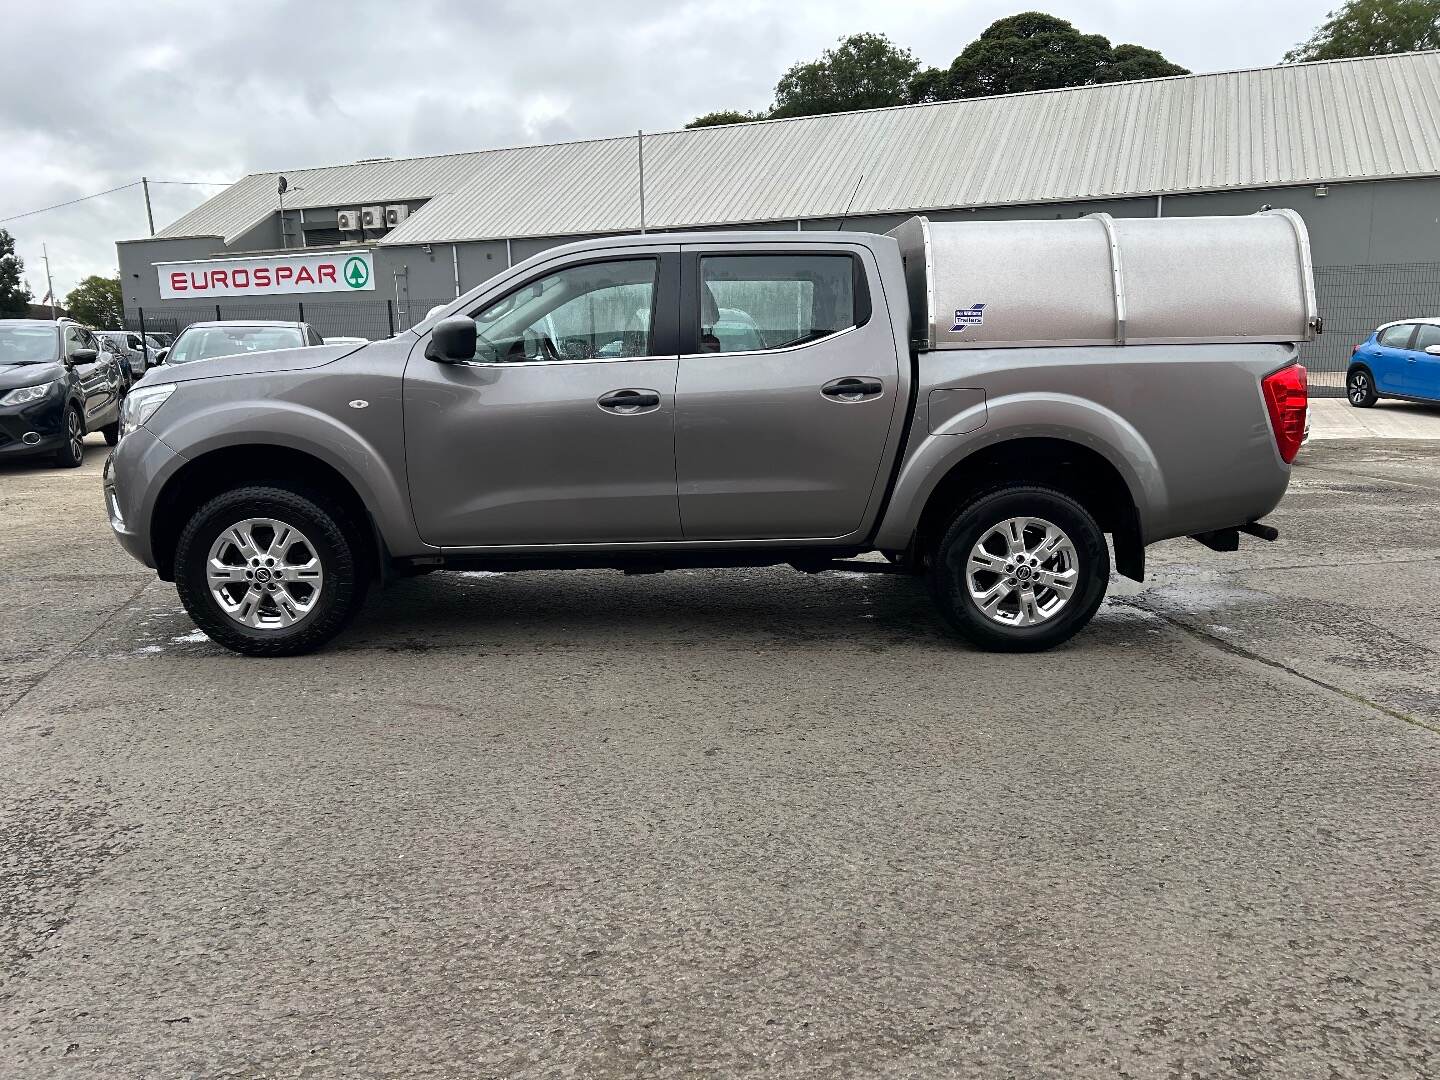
(134,474)
(35,428)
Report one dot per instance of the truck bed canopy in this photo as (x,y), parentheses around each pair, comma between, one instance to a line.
(1099,280)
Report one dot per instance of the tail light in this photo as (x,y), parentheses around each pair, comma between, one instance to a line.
(1286,397)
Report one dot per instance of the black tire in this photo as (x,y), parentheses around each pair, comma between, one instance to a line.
(337,543)
(111,433)
(1091,563)
(1360,387)
(72,454)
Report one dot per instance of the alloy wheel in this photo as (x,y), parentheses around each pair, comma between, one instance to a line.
(74,433)
(264,574)
(1022,571)
(1359,388)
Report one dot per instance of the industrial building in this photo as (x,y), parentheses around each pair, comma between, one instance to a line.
(365,248)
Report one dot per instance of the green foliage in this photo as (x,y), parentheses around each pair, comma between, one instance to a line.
(865,71)
(1035,51)
(1029,51)
(14,293)
(96,301)
(1128,62)
(725,116)
(1372,28)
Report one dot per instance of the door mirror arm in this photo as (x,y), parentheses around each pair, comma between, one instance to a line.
(452,340)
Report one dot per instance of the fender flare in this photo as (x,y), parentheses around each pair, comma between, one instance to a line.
(309,431)
(1027,415)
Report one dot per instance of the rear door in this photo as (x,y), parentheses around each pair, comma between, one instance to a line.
(786,392)
(1422,376)
(561,430)
(1390,358)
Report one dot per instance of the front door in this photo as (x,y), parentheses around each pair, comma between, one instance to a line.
(786,395)
(561,429)
(97,376)
(1422,371)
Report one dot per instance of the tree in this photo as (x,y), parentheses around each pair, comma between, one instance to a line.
(1035,51)
(865,71)
(14,293)
(1372,28)
(1129,62)
(725,116)
(97,301)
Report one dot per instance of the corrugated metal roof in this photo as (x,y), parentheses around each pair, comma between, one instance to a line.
(1367,118)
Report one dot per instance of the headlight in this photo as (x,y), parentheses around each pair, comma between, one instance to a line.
(26,394)
(140,405)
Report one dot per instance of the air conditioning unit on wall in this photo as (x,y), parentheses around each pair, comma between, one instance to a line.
(372,217)
(347,220)
(395,214)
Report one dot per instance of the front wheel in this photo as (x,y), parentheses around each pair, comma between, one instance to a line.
(1021,569)
(111,433)
(1360,388)
(267,571)
(71,454)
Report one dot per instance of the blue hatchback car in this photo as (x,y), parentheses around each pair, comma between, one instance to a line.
(1399,360)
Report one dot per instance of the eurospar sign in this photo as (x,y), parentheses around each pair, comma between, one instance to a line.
(269,275)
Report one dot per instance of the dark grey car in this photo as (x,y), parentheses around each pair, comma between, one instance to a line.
(723,399)
(56,385)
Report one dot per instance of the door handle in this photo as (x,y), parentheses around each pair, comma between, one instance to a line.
(629,402)
(852,389)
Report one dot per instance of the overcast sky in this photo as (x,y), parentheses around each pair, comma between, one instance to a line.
(180,90)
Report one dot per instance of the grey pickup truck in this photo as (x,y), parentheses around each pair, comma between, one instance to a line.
(980,403)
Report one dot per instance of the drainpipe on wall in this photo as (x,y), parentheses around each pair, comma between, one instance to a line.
(1159,205)
(455,256)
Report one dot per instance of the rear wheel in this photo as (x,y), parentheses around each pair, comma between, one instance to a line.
(1020,569)
(72,453)
(111,433)
(1360,388)
(270,572)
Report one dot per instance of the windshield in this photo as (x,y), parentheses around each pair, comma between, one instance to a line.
(28,344)
(203,342)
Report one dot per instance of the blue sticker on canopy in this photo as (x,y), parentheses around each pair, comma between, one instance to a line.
(968,316)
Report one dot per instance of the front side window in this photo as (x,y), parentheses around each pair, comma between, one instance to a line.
(597,311)
(754,302)
(1396,337)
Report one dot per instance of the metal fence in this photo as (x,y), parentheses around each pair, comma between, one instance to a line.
(373,319)
(1354,300)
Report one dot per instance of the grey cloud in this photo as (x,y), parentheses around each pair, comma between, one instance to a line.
(177,90)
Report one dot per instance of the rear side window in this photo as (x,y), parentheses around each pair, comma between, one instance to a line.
(1426,336)
(750,303)
(1396,337)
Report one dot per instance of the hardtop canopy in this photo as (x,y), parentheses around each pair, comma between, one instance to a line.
(1099,280)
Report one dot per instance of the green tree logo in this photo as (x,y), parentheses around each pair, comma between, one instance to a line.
(357,274)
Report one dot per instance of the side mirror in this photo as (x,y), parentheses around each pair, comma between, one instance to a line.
(452,341)
(1433,350)
(160,356)
(85,356)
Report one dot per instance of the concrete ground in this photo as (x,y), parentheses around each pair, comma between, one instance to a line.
(1336,418)
(735,824)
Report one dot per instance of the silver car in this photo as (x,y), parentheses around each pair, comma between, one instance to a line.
(740,399)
